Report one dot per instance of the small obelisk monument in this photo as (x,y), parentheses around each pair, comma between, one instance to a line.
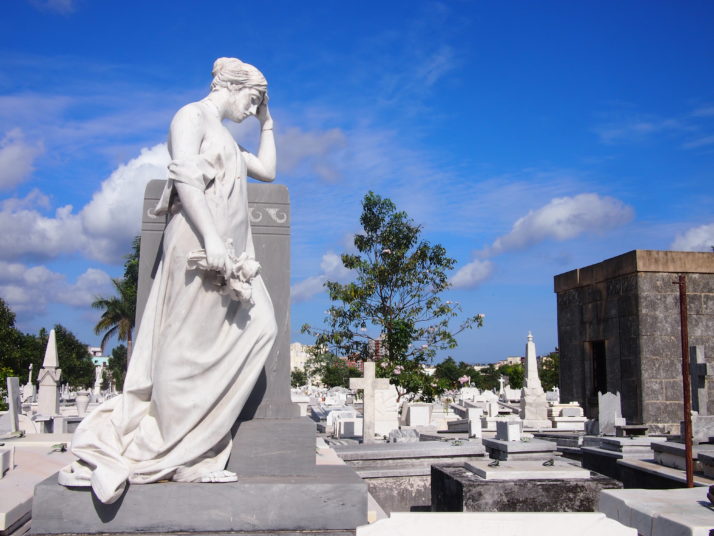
(534,406)
(49,376)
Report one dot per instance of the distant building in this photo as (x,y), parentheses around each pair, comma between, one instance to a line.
(298,356)
(512,360)
(619,330)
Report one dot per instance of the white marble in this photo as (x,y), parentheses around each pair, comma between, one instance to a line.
(671,512)
(526,470)
(509,430)
(496,524)
(209,324)
(49,378)
(369,383)
(534,406)
(386,411)
(419,414)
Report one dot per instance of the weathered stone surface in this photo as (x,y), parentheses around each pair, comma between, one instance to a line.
(456,489)
(629,303)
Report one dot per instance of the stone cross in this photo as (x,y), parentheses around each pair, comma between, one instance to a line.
(369,383)
(700,371)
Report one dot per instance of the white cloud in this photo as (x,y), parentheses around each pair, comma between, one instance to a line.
(102,230)
(695,239)
(564,218)
(28,233)
(16,158)
(28,289)
(113,216)
(699,142)
(314,150)
(332,270)
(472,274)
(63,7)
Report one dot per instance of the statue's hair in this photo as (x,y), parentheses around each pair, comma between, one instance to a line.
(233,74)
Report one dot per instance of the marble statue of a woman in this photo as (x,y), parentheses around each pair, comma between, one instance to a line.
(209,323)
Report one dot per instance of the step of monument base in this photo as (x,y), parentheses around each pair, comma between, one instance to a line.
(332,500)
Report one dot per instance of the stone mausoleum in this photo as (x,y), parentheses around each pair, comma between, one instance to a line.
(619,330)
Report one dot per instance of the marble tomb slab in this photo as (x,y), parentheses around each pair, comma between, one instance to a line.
(525,470)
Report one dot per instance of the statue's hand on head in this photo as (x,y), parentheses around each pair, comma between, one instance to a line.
(263,113)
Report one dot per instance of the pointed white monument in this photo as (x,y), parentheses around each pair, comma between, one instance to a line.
(49,376)
(534,406)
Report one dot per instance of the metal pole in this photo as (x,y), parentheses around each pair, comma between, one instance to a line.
(686,385)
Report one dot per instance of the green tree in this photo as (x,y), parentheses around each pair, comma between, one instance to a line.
(17,349)
(397,292)
(298,377)
(120,310)
(117,366)
(515,374)
(549,370)
(487,378)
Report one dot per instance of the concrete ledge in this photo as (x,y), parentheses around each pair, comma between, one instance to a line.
(333,498)
(646,473)
(639,260)
(524,524)
(679,512)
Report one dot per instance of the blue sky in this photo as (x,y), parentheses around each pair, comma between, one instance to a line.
(529,138)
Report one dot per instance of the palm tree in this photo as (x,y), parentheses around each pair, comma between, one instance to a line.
(118,316)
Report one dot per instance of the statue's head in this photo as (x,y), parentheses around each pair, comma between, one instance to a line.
(234,75)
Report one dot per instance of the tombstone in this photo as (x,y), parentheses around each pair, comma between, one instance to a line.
(28,390)
(699,370)
(49,377)
(609,413)
(386,411)
(348,427)
(369,384)
(419,414)
(553,395)
(10,421)
(501,389)
(509,430)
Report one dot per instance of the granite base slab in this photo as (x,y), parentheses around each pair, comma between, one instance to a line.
(333,499)
(456,489)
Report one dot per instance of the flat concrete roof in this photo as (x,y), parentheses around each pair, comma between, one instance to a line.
(638,260)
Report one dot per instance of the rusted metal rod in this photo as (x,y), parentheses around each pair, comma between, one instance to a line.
(686,382)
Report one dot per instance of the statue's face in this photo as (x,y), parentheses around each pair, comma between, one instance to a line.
(243,103)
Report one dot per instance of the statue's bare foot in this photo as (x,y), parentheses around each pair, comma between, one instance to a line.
(220,476)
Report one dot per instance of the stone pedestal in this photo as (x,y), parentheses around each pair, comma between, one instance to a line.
(331,499)
(280,490)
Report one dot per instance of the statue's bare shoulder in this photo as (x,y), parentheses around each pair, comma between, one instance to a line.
(187,129)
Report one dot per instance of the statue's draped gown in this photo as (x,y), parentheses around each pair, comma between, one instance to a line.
(197,356)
